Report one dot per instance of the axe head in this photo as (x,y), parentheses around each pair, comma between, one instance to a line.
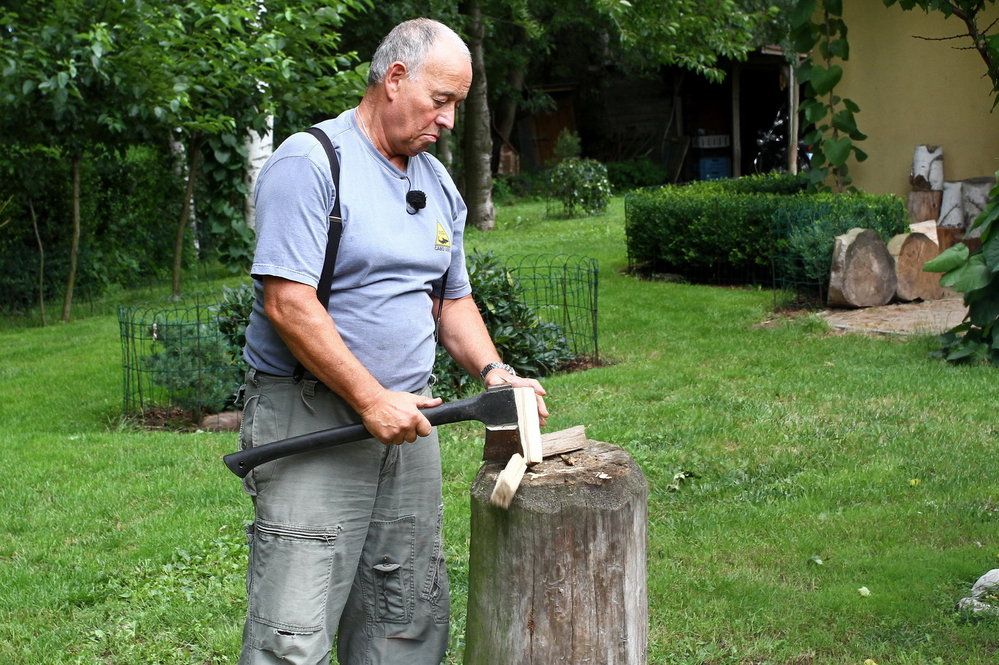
(520,434)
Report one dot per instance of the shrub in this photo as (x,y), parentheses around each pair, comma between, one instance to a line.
(193,363)
(531,346)
(233,317)
(567,146)
(580,185)
(752,231)
(807,225)
(635,173)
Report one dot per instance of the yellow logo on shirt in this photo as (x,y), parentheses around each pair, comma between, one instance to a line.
(443,242)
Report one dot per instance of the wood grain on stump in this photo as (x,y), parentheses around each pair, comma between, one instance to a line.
(863,272)
(911,251)
(560,577)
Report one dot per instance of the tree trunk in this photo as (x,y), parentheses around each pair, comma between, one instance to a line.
(194,160)
(560,576)
(41,262)
(74,248)
(478,143)
(507,113)
(259,148)
(444,151)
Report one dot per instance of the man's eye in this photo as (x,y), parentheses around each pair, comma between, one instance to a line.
(439,102)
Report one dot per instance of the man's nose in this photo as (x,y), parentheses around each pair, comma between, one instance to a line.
(446,117)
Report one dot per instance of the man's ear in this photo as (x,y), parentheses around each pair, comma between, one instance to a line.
(394,76)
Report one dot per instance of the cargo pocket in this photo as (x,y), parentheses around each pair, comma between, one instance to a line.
(435,588)
(388,567)
(291,567)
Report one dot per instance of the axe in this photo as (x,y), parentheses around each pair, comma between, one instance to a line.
(505,408)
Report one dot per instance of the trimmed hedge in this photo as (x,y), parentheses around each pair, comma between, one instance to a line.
(758,229)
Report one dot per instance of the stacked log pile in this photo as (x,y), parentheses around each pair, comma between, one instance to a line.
(866,271)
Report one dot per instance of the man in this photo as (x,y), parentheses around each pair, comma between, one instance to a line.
(347,541)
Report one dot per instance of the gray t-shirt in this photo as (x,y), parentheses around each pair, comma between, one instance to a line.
(389,261)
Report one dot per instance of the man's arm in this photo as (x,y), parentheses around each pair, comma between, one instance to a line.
(464,335)
(311,336)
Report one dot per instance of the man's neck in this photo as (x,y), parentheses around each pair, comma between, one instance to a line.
(366,117)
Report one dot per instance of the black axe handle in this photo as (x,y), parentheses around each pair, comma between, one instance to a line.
(493,407)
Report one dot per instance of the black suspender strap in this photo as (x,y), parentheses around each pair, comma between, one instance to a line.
(324,289)
(333,234)
(336,220)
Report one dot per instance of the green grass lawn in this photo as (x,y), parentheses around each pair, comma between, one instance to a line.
(768,450)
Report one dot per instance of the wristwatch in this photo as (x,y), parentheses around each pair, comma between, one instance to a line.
(496,365)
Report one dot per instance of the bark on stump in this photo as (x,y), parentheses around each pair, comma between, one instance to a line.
(560,577)
(911,251)
(863,272)
(927,169)
(924,205)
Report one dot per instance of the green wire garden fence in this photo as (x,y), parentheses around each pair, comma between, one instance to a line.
(562,289)
(175,357)
(187,357)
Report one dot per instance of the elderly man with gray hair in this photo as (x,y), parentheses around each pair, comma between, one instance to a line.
(358,275)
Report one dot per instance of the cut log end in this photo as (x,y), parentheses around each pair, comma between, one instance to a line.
(863,272)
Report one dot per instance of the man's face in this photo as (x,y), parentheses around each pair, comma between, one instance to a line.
(426,103)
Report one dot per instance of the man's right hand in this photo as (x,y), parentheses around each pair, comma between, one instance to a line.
(394,417)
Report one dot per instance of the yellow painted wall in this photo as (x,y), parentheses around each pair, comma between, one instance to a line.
(912,91)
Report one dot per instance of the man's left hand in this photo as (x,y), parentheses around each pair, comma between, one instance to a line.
(500,377)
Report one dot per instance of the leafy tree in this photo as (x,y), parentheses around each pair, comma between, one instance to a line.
(233,65)
(67,71)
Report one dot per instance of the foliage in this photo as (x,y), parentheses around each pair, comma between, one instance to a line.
(761,183)
(567,145)
(234,315)
(193,362)
(742,230)
(835,130)
(635,173)
(807,225)
(977,277)
(531,346)
(130,197)
(701,231)
(580,186)
(690,33)
(527,184)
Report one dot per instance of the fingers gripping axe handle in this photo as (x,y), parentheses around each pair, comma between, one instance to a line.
(493,407)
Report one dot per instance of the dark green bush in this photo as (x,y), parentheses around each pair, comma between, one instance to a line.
(193,363)
(581,186)
(233,317)
(532,347)
(807,225)
(701,232)
(635,173)
(754,229)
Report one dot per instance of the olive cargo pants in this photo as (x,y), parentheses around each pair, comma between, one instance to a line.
(345,542)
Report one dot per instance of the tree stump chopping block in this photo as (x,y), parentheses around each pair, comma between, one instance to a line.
(560,577)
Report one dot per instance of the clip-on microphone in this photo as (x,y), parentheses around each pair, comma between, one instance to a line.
(415,201)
